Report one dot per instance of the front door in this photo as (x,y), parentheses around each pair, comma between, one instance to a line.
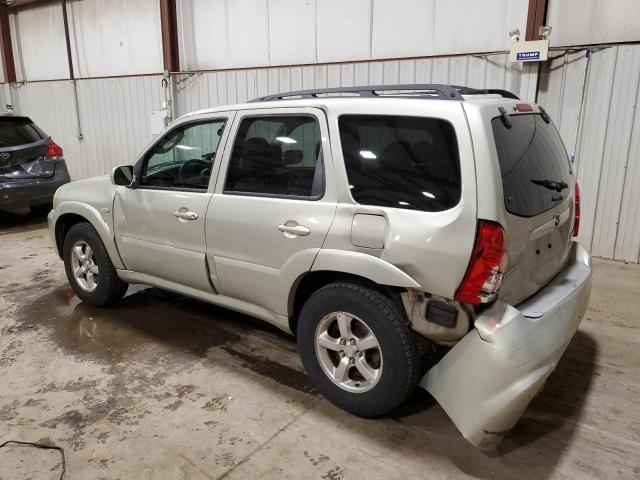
(273,204)
(159,224)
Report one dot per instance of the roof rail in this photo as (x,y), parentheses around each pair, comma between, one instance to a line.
(426,91)
(486,91)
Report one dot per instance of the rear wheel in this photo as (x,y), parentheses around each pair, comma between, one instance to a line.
(357,349)
(89,269)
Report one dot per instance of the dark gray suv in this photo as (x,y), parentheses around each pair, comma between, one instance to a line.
(31,164)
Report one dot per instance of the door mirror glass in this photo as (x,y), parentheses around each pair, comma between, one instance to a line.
(122,175)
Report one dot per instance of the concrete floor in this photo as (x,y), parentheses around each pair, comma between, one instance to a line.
(166,387)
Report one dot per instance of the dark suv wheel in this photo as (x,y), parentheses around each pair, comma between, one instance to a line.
(89,269)
(357,349)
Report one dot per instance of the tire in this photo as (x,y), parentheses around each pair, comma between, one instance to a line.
(108,288)
(396,356)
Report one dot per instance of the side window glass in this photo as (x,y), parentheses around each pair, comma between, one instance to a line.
(184,158)
(277,155)
(401,162)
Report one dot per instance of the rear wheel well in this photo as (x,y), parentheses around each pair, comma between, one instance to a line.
(63,225)
(313,281)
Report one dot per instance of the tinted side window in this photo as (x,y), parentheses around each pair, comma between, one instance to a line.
(184,158)
(530,152)
(277,155)
(402,162)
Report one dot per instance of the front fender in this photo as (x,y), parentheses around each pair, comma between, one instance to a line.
(363,265)
(96,218)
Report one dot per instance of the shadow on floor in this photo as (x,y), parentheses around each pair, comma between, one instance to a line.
(153,322)
(535,445)
(24,220)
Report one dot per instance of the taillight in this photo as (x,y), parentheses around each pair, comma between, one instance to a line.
(55,150)
(487,266)
(576,218)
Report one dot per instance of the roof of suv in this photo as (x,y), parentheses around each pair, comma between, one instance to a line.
(327,96)
(422,91)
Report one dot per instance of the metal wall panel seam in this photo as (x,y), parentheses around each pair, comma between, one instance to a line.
(602,159)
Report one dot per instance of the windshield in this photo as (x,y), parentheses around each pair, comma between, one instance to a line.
(533,162)
(16,131)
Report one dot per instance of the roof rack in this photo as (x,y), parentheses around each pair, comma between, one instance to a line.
(426,91)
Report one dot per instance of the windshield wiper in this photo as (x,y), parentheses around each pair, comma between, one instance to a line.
(551,185)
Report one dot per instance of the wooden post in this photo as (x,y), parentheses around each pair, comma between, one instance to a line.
(6,48)
(536,17)
(169,22)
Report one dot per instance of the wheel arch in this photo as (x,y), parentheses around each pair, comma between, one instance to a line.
(312,281)
(62,227)
(68,214)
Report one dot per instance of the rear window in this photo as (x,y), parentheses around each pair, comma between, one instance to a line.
(16,131)
(533,162)
(401,162)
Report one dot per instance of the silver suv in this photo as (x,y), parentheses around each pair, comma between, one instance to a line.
(407,235)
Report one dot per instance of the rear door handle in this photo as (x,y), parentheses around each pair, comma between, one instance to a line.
(291,231)
(185,215)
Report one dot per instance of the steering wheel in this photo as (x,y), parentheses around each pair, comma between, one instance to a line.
(195,168)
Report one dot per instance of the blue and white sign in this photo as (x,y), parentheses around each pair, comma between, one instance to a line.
(522,56)
(529,51)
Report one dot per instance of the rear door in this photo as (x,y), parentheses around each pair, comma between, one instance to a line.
(538,193)
(273,205)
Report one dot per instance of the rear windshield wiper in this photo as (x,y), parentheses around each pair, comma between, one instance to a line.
(551,185)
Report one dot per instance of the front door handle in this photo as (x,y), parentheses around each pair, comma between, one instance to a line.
(291,231)
(185,215)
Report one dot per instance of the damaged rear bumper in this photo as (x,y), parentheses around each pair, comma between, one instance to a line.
(27,192)
(487,380)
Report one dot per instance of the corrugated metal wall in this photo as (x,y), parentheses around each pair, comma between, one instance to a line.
(261,33)
(208,89)
(601,128)
(114,114)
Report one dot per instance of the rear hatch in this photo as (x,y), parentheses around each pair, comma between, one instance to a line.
(538,187)
(23,148)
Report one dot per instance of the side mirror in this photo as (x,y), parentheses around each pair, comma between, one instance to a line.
(122,175)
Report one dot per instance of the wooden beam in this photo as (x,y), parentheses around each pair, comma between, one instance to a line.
(536,17)
(169,22)
(6,49)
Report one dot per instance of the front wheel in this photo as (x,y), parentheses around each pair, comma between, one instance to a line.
(357,349)
(89,269)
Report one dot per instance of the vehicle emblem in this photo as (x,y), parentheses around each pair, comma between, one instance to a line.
(5,156)
(556,220)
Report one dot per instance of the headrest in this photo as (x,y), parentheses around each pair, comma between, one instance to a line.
(258,150)
(435,159)
(292,157)
(398,156)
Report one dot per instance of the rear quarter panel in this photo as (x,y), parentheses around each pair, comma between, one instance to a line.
(433,248)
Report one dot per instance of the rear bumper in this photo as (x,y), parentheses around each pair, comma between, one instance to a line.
(37,191)
(487,380)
